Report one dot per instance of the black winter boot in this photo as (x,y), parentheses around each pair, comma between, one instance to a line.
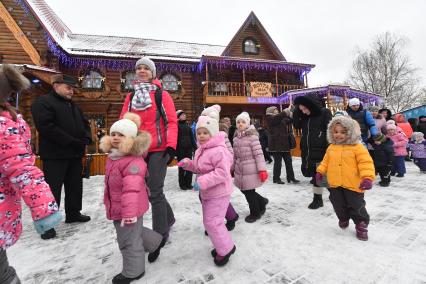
(317,202)
(121,279)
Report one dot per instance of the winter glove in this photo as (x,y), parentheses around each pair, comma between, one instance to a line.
(128,221)
(47,223)
(183,163)
(318,178)
(263,176)
(366,184)
(171,152)
(196,186)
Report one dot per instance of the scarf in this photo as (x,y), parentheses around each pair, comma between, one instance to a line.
(142,100)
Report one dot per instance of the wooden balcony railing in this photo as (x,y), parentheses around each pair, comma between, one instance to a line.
(239,89)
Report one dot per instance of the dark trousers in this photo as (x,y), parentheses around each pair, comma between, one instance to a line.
(162,213)
(185,177)
(255,200)
(385,173)
(7,272)
(68,173)
(349,204)
(399,164)
(266,155)
(286,156)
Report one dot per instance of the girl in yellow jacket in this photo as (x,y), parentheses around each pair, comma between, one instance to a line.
(350,171)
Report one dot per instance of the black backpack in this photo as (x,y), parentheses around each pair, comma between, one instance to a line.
(161,113)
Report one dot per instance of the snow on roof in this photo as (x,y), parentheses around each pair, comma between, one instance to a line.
(115,46)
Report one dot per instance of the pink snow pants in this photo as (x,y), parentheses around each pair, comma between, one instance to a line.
(214,211)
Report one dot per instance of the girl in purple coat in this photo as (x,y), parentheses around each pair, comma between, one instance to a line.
(249,166)
(399,145)
(126,196)
(212,164)
(418,150)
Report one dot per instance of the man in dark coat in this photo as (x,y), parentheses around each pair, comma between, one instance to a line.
(64,134)
(421,127)
(263,138)
(311,116)
(279,144)
(184,149)
(231,129)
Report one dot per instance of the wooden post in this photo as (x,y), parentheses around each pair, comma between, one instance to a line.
(244,83)
(276,84)
(207,84)
(345,101)
(328,100)
(306,80)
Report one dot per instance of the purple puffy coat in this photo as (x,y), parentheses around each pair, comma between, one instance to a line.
(212,164)
(248,159)
(418,150)
(126,194)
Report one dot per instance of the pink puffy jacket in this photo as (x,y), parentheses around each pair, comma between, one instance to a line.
(19,178)
(126,194)
(212,164)
(399,143)
(249,159)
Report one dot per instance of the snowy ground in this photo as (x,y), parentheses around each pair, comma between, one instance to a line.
(290,244)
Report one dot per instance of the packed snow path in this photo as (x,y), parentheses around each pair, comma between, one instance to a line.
(290,244)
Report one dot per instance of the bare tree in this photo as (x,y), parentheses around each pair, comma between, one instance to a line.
(385,70)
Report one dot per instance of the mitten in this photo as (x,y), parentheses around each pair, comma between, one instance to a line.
(196,186)
(263,175)
(318,178)
(183,163)
(47,223)
(128,221)
(366,184)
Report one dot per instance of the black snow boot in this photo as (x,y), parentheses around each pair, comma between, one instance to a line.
(121,279)
(317,202)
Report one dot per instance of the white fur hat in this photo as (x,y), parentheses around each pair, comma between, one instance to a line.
(128,126)
(212,111)
(148,62)
(243,116)
(354,102)
(211,124)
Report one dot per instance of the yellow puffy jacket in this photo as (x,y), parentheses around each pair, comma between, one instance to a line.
(346,166)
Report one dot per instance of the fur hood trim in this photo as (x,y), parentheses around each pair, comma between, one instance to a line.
(352,127)
(130,146)
(11,81)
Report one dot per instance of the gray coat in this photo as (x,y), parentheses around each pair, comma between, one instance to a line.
(248,159)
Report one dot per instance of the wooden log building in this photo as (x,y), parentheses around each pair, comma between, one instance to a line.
(250,73)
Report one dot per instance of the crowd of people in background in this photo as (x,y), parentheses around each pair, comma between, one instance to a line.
(342,152)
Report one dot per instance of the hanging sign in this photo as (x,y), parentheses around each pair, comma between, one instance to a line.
(260,89)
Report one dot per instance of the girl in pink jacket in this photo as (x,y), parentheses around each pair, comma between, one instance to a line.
(212,164)
(249,166)
(19,178)
(126,196)
(400,147)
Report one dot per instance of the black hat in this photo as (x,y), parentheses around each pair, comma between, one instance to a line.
(64,79)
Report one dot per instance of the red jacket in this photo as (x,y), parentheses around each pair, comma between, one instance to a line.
(148,120)
(405,126)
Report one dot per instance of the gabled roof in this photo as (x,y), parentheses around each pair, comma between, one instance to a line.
(253,20)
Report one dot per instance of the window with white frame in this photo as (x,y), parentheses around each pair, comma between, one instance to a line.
(170,82)
(127,80)
(92,79)
(250,46)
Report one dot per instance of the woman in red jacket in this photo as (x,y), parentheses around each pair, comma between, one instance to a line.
(161,123)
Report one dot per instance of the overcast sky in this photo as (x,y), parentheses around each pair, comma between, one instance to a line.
(322,32)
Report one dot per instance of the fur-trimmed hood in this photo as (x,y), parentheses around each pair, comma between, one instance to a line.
(251,130)
(312,102)
(11,81)
(129,146)
(352,127)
